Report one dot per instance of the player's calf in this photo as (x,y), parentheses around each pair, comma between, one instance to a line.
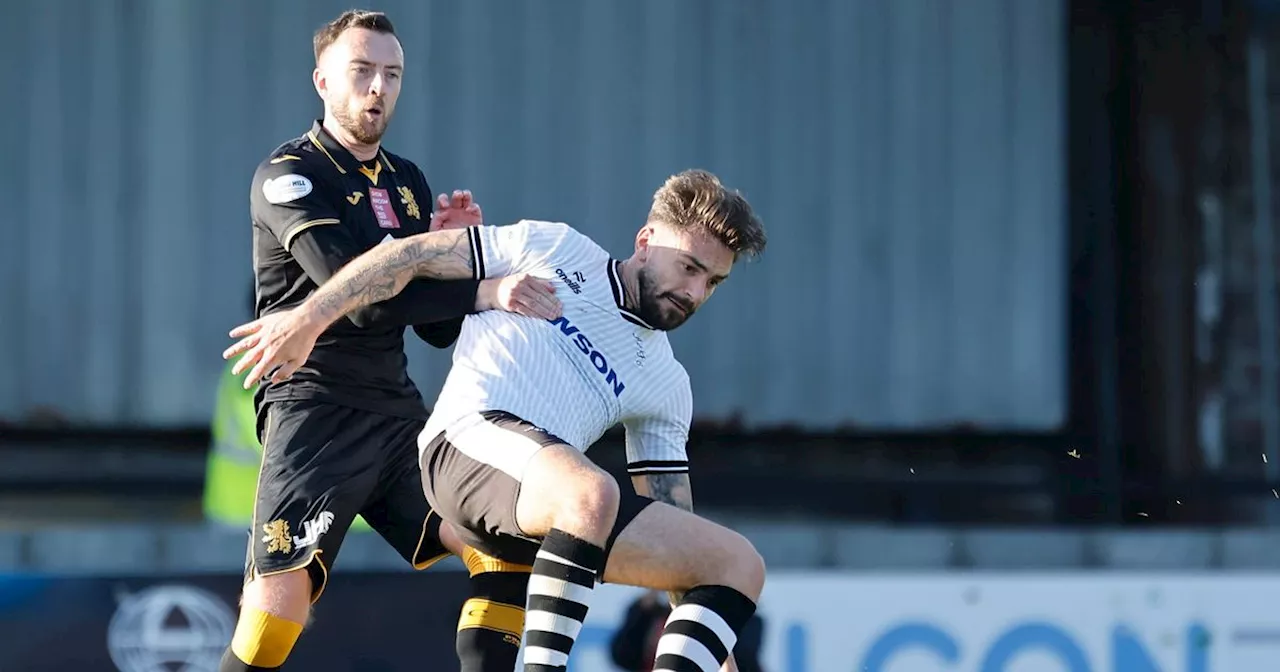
(492,620)
(273,610)
(718,571)
(571,504)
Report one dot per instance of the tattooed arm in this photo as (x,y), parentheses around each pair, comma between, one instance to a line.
(381,273)
(278,344)
(674,489)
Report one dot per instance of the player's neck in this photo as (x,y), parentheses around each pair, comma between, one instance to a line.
(361,151)
(629,273)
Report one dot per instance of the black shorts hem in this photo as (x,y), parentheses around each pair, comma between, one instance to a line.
(316,568)
(629,507)
(426,555)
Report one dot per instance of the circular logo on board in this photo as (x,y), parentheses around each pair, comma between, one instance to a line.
(170,628)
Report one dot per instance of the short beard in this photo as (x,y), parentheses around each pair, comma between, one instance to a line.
(358,130)
(650,308)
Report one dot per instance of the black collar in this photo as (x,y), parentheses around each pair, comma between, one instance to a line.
(342,158)
(620,296)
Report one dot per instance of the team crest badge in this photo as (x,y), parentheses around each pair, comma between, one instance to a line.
(410,203)
(276,536)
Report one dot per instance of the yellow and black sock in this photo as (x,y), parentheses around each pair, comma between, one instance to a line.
(261,644)
(492,620)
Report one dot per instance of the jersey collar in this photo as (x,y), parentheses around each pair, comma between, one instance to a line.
(342,158)
(620,298)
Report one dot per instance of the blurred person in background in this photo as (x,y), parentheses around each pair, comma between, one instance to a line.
(635,644)
(340,437)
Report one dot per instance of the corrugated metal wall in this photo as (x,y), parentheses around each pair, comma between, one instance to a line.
(906,155)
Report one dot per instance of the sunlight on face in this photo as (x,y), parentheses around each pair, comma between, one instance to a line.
(679,271)
(359,79)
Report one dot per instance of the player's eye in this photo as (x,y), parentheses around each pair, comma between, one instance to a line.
(393,75)
(688,268)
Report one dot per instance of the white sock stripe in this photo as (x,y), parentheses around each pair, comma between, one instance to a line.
(688,647)
(547,555)
(538,655)
(545,585)
(546,621)
(703,615)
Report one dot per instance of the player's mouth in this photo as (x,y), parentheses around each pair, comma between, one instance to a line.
(684,310)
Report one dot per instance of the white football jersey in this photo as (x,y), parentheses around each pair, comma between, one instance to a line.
(575,377)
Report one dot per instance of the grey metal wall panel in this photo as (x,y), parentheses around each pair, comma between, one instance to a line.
(905,154)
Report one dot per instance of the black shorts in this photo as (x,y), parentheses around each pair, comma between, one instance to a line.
(324,464)
(472,479)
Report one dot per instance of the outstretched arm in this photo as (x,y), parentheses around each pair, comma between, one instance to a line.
(278,344)
(383,272)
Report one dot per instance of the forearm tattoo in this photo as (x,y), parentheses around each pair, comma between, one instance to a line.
(674,489)
(383,272)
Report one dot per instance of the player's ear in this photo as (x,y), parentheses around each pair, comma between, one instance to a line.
(642,241)
(317,78)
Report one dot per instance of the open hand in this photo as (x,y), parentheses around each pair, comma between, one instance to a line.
(457,212)
(275,345)
(521,294)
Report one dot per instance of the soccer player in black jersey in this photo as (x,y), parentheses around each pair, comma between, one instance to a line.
(340,437)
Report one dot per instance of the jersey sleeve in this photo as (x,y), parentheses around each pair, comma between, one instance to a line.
(512,249)
(656,443)
(288,198)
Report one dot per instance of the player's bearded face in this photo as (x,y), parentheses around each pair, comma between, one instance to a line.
(663,308)
(681,270)
(362,72)
(364,118)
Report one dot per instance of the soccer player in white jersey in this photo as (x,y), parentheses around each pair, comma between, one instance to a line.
(503,451)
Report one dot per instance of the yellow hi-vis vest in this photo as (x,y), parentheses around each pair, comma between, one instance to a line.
(235,458)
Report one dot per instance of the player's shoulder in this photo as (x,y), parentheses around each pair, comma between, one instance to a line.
(296,155)
(561,236)
(296,158)
(290,171)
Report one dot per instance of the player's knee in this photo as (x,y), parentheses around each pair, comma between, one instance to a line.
(285,595)
(738,565)
(591,500)
(273,612)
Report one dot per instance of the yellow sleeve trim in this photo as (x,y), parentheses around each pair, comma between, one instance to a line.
(293,233)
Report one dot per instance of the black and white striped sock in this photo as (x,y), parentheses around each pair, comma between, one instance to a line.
(564,575)
(702,630)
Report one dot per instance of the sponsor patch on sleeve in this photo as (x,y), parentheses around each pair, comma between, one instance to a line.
(286,188)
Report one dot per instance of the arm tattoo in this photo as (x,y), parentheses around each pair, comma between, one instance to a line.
(381,273)
(674,489)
